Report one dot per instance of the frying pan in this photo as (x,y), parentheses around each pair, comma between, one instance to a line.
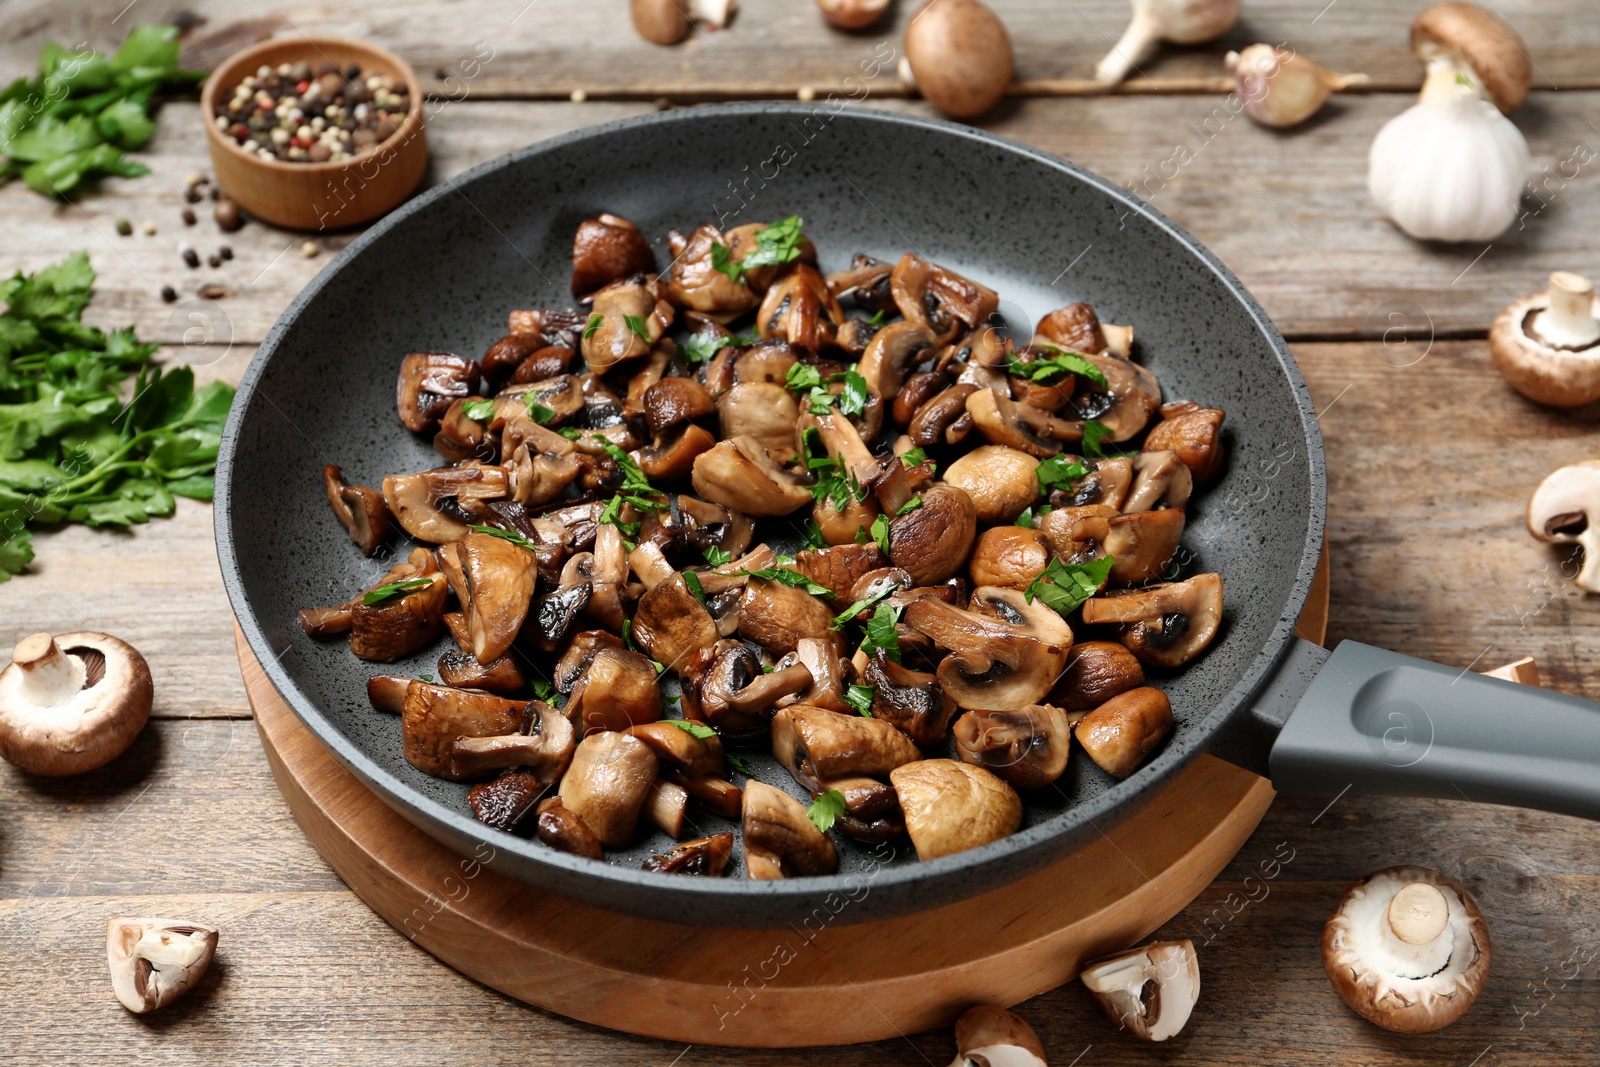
(442,272)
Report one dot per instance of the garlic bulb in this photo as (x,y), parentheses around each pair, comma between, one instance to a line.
(1281,88)
(1154,21)
(1451,167)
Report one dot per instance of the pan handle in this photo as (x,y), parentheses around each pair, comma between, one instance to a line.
(1373,721)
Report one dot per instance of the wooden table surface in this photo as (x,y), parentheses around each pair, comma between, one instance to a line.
(1430,457)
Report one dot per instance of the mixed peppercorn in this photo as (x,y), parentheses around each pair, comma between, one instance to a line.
(298,114)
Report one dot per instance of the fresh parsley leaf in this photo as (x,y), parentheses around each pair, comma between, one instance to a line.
(426,677)
(482,410)
(717,556)
(636,324)
(738,764)
(508,535)
(692,580)
(877,318)
(393,591)
(826,809)
(541,414)
(1094,432)
(880,532)
(1025,520)
(692,728)
(802,376)
(611,515)
(1065,586)
(789,576)
(571,433)
(910,505)
(1063,362)
(860,698)
(914,457)
(594,324)
(722,259)
(544,690)
(881,632)
(862,537)
(845,616)
(1060,471)
(701,347)
(778,243)
(813,535)
(853,397)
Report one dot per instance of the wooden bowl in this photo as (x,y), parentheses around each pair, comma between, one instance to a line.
(317,196)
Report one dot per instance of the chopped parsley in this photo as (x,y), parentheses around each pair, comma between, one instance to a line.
(909,506)
(839,621)
(851,398)
(1065,586)
(717,556)
(425,677)
(860,698)
(775,245)
(694,729)
(393,591)
(790,576)
(914,457)
(738,764)
(508,535)
(826,810)
(544,690)
(636,324)
(692,580)
(1063,362)
(877,318)
(541,414)
(1060,471)
(880,532)
(479,410)
(635,489)
(881,632)
(594,324)
(701,347)
(1094,432)
(813,535)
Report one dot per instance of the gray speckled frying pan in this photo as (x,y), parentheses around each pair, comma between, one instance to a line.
(441,273)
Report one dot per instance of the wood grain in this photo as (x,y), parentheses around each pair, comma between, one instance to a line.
(546,49)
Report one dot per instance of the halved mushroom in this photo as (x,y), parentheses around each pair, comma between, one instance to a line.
(1096,671)
(542,747)
(736,697)
(1147,991)
(760,412)
(1075,327)
(738,473)
(939,299)
(707,856)
(1004,660)
(461,670)
(1027,747)
(506,801)
(429,383)
(1194,433)
(989,1036)
(462,437)
(1142,544)
(1077,534)
(892,354)
(775,616)
(555,328)
(1162,479)
(558,614)
(1120,733)
(919,388)
(1564,509)
(910,699)
(779,840)
(1127,400)
(607,784)
(1108,483)
(681,751)
(155,961)
(1407,948)
(800,309)
(606,250)
(430,505)
(696,281)
(434,717)
(326,622)
(1023,427)
(497,581)
(502,359)
(943,419)
(951,807)
(820,745)
(360,510)
(830,673)
(840,567)
(931,541)
(1000,480)
(617,690)
(671,458)
(628,319)
(671,622)
(866,281)
(400,625)
(560,828)
(1164,625)
(72,703)
(1010,556)
(672,402)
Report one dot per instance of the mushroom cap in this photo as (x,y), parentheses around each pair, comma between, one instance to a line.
(951,807)
(155,961)
(960,54)
(779,840)
(1558,377)
(738,473)
(1481,40)
(1407,948)
(1559,513)
(73,703)
(990,1035)
(1000,481)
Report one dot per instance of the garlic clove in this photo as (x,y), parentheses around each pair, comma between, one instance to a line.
(1280,88)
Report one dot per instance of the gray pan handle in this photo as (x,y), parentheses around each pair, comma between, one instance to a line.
(1377,722)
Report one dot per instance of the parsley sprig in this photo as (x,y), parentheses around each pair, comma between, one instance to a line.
(1065,586)
(1063,361)
(826,810)
(851,398)
(1059,472)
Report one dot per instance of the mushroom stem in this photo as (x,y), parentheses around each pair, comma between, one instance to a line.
(762,692)
(50,677)
(1418,913)
(1589,574)
(1137,44)
(1569,322)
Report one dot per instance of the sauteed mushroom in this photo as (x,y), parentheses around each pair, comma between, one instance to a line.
(360,510)
(779,841)
(1005,660)
(1164,625)
(605,250)
(1027,747)
(607,783)
(429,382)
(951,807)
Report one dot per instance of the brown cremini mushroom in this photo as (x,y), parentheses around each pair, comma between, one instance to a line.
(1001,482)
(559,827)
(1011,556)
(359,509)
(931,541)
(852,14)
(958,54)
(155,961)
(1148,991)
(910,699)
(1027,747)
(1120,733)
(1005,657)
(429,383)
(1407,949)
(990,1036)
(707,856)
(736,696)
(608,249)
(1477,40)
(1192,432)
(951,807)
(818,745)
(1547,345)
(1096,671)
(738,473)
(507,801)
(1564,510)
(1163,625)
(72,703)
(607,784)
(779,840)
(400,625)
(617,690)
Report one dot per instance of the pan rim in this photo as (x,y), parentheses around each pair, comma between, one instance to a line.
(747,902)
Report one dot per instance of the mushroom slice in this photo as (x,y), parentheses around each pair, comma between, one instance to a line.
(1120,733)
(1161,479)
(988,1036)
(1545,343)
(818,745)
(912,700)
(1108,483)
(506,801)
(579,654)
(736,697)
(1005,660)
(428,505)
(543,747)
(502,359)
(671,622)
(429,383)
(557,615)
(840,567)
(1003,421)
(1148,991)
(399,626)
(931,541)
(559,827)
(943,419)
(1127,400)
(761,412)
(779,840)
(1010,556)
(1077,534)
(1142,544)
(829,673)
(672,458)
(951,807)
(607,784)
(1558,513)
(72,703)
(605,250)
(706,856)
(892,354)
(697,283)
(1096,672)
(617,690)
(775,616)
(800,309)
(1075,327)
(866,281)
(738,473)
(461,437)
(461,670)
(1001,482)
(360,510)
(672,402)
(1407,949)
(155,961)
(499,578)
(1163,625)
(556,328)
(628,319)
(1194,433)
(434,717)
(1027,747)
(919,388)
(939,299)
(717,795)
(681,751)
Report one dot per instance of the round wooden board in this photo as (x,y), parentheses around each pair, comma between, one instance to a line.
(821,983)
